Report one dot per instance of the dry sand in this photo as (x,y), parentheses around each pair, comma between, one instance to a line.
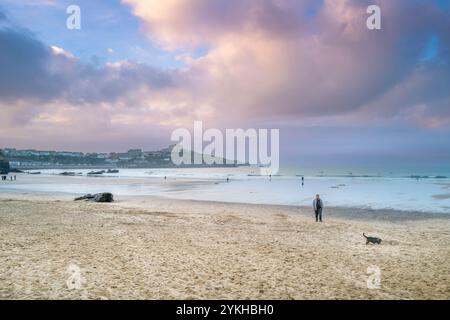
(151,248)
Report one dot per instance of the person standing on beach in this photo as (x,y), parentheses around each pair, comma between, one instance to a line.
(318,206)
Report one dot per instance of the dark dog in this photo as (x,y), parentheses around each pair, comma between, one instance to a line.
(372,239)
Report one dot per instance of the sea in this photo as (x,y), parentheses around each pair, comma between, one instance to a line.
(425,190)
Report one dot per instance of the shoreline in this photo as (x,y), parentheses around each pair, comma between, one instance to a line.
(343,213)
(156,248)
(340,195)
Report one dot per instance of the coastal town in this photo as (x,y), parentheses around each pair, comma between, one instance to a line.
(133,158)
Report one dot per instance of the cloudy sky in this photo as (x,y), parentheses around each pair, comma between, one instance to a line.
(138,69)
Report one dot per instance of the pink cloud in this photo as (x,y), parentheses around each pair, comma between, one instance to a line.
(266,58)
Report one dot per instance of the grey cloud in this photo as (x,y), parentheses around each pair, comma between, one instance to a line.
(31,71)
(24,67)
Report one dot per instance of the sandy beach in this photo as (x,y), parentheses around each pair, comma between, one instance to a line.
(155,248)
(202,139)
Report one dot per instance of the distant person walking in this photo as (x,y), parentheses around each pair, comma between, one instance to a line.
(318,206)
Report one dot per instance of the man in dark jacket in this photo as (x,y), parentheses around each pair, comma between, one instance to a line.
(318,206)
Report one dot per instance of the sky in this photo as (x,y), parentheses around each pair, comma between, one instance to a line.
(137,70)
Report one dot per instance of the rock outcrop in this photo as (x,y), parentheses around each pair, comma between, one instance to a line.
(96,172)
(67,173)
(98,197)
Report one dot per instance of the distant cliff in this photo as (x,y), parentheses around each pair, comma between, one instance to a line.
(4,163)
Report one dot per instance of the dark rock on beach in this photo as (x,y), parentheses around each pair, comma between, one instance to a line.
(85,197)
(96,172)
(98,197)
(103,197)
(66,173)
